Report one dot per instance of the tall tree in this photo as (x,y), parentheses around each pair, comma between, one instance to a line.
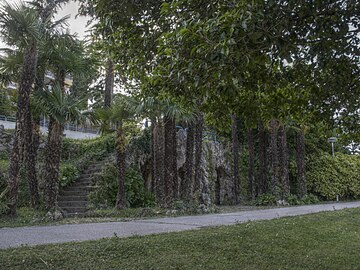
(60,108)
(20,27)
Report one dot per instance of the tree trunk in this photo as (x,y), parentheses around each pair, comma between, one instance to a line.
(198,181)
(109,83)
(235,153)
(22,139)
(300,162)
(153,156)
(33,150)
(187,187)
(175,164)
(251,171)
(283,162)
(262,170)
(120,160)
(169,157)
(274,165)
(52,163)
(159,163)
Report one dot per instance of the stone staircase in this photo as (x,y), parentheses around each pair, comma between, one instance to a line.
(73,199)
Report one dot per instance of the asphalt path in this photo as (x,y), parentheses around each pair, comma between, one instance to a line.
(38,235)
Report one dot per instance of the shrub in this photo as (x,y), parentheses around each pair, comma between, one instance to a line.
(68,174)
(310,199)
(107,185)
(265,199)
(329,176)
(292,199)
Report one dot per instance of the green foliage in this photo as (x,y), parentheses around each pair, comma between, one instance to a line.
(68,174)
(93,149)
(329,177)
(265,199)
(307,199)
(292,199)
(107,186)
(310,199)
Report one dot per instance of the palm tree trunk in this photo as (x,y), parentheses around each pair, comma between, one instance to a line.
(283,162)
(33,150)
(22,139)
(109,83)
(120,160)
(169,157)
(52,163)
(300,161)
(262,170)
(198,181)
(153,156)
(235,152)
(274,165)
(251,170)
(159,162)
(175,164)
(187,187)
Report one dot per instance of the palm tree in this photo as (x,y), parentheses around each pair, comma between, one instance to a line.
(51,30)
(60,108)
(21,28)
(115,115)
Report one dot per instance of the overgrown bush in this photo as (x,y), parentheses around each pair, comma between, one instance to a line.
(265,200)
(329,176)
(107,185)
(68,174)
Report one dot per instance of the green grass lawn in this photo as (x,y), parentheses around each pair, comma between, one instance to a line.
(320,241)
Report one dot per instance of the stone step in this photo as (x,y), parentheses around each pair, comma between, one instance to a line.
(80,188)
(85,176)
(81,184)
(72,198)
(70,209)
(64,204)
(74,193)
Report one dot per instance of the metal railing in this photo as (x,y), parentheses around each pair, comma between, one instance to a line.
(45,123)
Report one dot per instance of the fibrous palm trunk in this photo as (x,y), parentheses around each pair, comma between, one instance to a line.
(187,186)
(262,170)
(283,162)
(22,139)
(109,83)
(159,163)
(170,173)
(52,163)
(300,161)
(251,169)
(235,153)
(33,149)
(153,156)
(274,165)
(121,166)
(198,181)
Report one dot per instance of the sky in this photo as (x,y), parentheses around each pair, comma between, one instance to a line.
(76,25)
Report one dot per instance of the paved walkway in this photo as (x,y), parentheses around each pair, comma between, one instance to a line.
(36,235)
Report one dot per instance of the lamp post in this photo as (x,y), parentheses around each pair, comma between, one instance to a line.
(332,140)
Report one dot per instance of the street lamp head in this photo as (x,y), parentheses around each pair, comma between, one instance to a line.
(332,139)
